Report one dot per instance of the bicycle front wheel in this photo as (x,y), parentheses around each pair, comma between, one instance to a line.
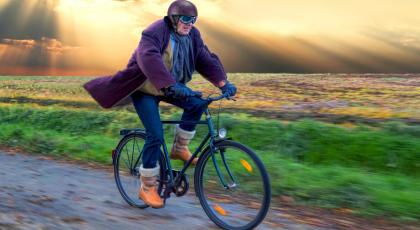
(233,186)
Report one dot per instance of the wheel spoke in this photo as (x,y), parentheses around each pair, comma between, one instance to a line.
(140,151)
(138,148)
(125,161)
(127,178)
(132,155)
(244,202)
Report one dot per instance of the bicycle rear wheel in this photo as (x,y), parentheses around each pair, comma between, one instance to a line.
(128,158)
(245,203)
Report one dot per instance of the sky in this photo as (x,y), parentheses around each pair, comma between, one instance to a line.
(97,37)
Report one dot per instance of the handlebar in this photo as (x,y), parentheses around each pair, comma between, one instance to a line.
(217,98)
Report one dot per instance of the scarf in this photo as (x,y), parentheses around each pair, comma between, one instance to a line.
(183,65)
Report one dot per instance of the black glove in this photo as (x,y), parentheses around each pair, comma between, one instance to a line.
(180,90)
(229,88)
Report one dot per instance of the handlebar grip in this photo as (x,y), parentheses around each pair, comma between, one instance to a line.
(225,95)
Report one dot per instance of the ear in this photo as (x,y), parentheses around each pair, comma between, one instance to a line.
(175,20)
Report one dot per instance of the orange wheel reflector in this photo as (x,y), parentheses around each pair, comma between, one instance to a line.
(219,209)
(247,166)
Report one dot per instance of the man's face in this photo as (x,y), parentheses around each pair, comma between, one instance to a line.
(183,29)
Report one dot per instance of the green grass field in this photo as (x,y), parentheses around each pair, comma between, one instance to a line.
(335,141)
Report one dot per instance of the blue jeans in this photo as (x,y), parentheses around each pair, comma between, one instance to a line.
(147,107)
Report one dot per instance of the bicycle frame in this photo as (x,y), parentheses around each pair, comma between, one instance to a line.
(211,135)
(210,139)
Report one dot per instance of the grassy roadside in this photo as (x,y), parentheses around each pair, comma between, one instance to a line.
(369,170)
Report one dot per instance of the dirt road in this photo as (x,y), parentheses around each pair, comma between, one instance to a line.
(38,193)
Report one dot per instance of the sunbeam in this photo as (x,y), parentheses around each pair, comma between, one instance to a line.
(98,36)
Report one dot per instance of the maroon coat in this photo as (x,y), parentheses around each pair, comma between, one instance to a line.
(146,63)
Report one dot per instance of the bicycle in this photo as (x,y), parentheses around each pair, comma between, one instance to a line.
(230,180)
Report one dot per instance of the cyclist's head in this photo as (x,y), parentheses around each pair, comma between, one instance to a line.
(182,11)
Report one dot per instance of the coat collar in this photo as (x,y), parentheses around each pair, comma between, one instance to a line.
(168,22)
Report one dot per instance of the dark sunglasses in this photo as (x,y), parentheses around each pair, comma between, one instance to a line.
(187,19)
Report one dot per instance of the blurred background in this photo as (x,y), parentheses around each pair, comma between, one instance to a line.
(94,37)
(330,88)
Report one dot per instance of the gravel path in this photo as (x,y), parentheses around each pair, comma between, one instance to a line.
(38,193)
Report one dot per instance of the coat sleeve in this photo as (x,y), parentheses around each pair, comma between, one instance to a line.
(149,59)
(208,64)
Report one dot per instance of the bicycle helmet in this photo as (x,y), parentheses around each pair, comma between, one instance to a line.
(181,7)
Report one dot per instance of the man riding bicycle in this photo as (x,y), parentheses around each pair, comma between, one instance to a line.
(170,50)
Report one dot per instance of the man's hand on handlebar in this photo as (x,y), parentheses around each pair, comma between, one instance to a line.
(228,88)
(179,90)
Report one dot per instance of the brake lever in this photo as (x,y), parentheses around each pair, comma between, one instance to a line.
(230,98)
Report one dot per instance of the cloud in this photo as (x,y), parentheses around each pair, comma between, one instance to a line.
(50,45)
(28,19)
(24,43)
(55,46)
(40,55)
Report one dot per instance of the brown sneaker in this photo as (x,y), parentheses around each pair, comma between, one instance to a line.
(148,189)
(180,149)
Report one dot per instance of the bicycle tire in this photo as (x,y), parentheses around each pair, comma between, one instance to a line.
(131,197)
(205,160)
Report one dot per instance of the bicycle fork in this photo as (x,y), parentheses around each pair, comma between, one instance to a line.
(219,173)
